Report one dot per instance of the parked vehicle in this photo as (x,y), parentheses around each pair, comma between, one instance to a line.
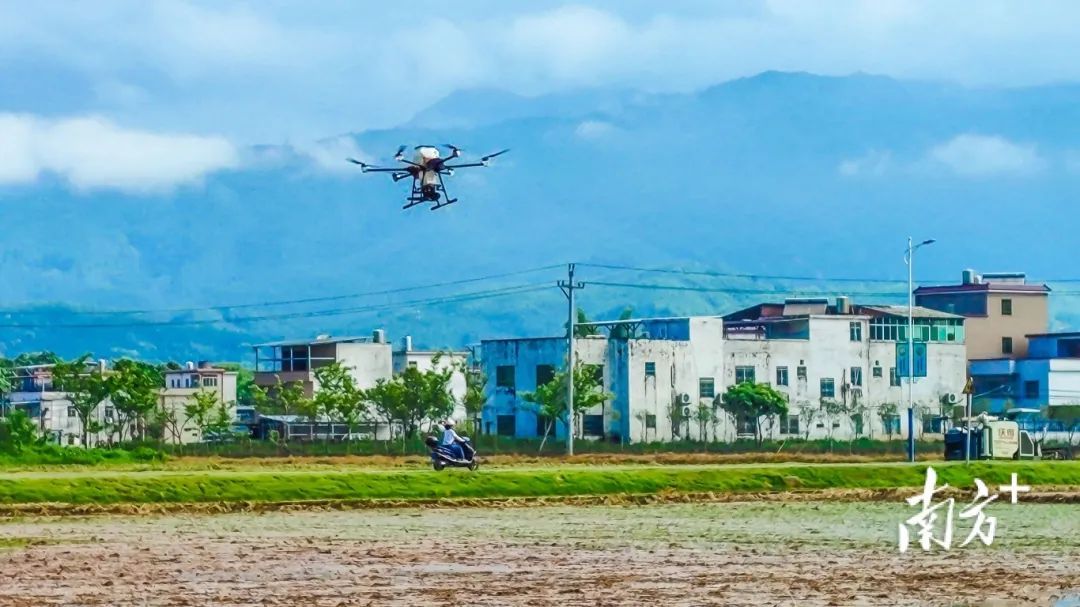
(991,437)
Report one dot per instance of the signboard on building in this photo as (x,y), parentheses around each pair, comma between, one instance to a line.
(902,359)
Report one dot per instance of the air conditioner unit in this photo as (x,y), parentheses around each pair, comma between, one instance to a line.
(686,411)
(950,399)
(684,398)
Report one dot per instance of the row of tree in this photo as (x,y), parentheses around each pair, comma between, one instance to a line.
(405,403)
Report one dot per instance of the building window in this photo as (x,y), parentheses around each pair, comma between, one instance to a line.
(412,364)
(650,369)
(781,376)
(800,372)
(109,414)
(650,421)
(544,374)
(744,374)
(789,424)
(592,425)
(1031,389)
(504,377)
(894,377)
(1006,345)
(505,425)
(1006,307)
(856,376)
(890,424)
(828,387)
(876,371)
(706,387)
(209,382)
(855,330)
(72,412)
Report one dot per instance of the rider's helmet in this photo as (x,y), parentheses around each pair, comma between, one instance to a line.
(449,423)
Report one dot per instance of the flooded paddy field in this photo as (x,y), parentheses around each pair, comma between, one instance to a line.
(742,553)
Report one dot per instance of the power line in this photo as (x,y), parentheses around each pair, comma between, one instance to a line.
(267,304)
(659,287)
(462,297)
(751,276)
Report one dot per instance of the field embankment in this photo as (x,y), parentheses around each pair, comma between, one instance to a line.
(102,488)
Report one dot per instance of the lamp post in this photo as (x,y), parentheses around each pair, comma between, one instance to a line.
(909,259)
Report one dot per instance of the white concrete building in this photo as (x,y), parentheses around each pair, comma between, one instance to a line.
(33,392)
(666,373)
(368,360)
(813,351)
(405,356)
(181,385)
(659,370)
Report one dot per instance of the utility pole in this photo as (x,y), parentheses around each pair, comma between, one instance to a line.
(568,287)
(909,258)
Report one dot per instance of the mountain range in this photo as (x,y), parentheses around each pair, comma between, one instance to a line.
(726,188)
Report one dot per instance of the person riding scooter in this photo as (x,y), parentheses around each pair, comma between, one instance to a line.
(453,441)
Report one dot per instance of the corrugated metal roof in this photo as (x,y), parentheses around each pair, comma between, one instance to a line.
(313,342)
(916,311)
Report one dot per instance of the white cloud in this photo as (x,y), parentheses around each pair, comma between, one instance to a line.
(594,129)
(93,153)
(329,155)
(271,71)
(972,155)
(873,163)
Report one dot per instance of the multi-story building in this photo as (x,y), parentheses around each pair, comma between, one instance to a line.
(854,355)
(659,371)
(665,374)
(181,385)
(367,359)
(1048,376)
(1001,310)
(34,393)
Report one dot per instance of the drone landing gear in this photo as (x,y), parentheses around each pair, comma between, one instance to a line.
(444,204)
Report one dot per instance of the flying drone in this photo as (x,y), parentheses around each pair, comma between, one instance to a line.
(426,169)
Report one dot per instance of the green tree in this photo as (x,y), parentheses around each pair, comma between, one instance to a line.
(755,401)
(705,416)
(581,328)
(475,386)
(624,331)
(245,383)
(427,393)
(338,395)
(200,412)
(87,388)
(17,432)
(549,400)
(387,398)
(887,413)
(133,388)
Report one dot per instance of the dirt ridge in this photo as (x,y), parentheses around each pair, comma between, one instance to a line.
(1068,495)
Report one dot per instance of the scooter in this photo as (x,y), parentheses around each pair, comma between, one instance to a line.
(443,456)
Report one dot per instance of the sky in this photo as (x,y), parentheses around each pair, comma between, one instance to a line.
(178,89)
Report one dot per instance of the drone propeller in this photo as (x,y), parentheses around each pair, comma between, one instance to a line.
(455,151)
(485,159)
(400,153)
(363,165)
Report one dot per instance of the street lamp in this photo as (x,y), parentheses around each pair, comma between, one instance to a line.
(909,259)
